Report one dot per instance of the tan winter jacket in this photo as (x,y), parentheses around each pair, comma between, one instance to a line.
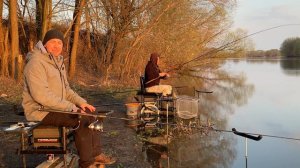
(45,84)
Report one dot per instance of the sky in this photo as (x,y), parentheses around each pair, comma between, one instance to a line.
(257,15)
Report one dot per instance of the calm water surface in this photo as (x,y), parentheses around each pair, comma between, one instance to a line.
(273,109)
(265,101)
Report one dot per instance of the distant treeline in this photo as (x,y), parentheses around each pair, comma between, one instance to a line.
(289,48)
(267,54)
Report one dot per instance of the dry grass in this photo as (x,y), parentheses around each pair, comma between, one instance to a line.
(12,89)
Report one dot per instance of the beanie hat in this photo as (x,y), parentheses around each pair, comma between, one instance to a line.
(53,34)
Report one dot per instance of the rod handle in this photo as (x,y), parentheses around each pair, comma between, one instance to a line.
(259,137)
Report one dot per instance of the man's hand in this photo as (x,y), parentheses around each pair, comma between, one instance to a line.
(85,106)
(164,74)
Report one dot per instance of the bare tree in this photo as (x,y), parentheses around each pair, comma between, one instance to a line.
(87,26)
(146,29)
(4,61)
(79,5)
(180,33)
(124,33)
(115,22)
(1,31)
(119,21)
(14,35)
(3,45)
(43,17)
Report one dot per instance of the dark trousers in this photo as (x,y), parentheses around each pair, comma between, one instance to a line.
(87,141)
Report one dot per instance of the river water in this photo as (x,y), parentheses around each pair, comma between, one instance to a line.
(262,98)
(273,109)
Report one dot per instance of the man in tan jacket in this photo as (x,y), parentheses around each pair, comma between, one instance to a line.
(46,87)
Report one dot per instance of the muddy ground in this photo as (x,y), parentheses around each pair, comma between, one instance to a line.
(118,139)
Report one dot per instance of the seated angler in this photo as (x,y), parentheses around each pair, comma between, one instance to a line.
(153,76)
(46,87)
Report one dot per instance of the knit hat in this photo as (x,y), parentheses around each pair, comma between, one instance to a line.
(53,34)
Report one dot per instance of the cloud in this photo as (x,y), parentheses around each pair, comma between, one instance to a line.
(284,13)
(256,15)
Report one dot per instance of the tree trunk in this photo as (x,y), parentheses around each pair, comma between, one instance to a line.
(14,35)
(79,4)
(49,15)
(31,42)
(38,18)
(4,62)
(87,26)
(20,67)
(43,17)
(1,33)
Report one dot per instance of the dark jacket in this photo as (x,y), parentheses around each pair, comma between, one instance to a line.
(152,71)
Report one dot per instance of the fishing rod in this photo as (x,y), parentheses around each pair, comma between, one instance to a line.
(125,91)
(259,136)
(89,114)
(111,104)
(178,67)
(203,91)
(243,134)
(154,79)
(253,136)
(138,102)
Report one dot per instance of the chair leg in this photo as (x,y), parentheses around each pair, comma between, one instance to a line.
(23,148)
(64,141)
(24,160)
(65,161)
(142,99)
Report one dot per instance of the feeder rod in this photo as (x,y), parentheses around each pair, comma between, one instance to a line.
(87,114)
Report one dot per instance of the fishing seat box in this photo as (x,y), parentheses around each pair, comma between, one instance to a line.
(47,136)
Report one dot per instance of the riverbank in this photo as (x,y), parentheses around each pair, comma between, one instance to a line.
(118,140)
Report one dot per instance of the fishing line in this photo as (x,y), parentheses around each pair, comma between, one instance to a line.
(178,67)
(227,44)
(210,128)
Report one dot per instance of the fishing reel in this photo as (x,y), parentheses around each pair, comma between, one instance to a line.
(96,125)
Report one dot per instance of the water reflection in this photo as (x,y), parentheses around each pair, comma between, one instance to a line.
(273,109)
(156,155)
(193,151)
(215,149)
(263,60)
(229,91)
(290,67)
